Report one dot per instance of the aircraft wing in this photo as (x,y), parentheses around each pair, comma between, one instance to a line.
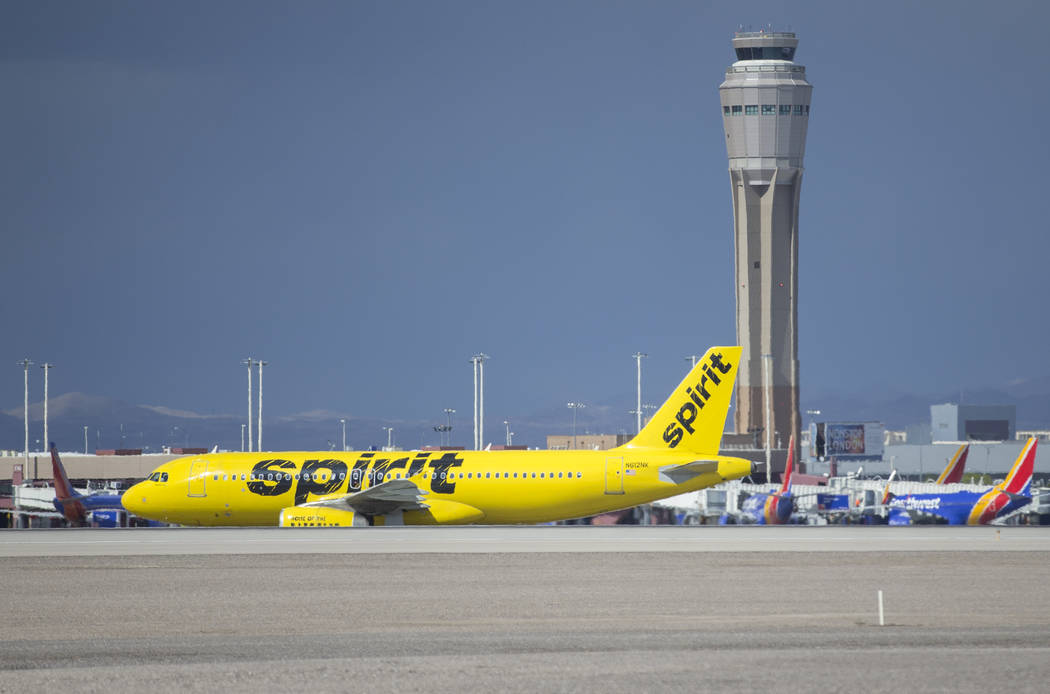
(387,497)
(918,516)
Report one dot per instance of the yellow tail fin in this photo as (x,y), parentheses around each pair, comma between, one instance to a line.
(694,417)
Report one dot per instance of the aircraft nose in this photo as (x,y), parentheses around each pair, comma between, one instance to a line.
(134,500)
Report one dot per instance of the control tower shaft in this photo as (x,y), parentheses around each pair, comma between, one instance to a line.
(765,111)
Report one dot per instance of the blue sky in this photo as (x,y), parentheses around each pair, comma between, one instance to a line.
(367,193)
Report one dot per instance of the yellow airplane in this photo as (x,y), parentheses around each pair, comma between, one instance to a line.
(676,452)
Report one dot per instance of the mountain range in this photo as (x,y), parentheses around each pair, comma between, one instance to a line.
(112,423)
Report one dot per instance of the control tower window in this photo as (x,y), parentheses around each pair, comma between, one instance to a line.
(769,109)
(725,110)
(807,109)
(751,110)
(798,109)
(785,109)
(737,110)
(765,53)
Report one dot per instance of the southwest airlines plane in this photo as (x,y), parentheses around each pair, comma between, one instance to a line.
(772,508)
(969,508)
(676,452)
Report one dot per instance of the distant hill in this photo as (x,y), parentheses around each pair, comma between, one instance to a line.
(899,411)
(113,423)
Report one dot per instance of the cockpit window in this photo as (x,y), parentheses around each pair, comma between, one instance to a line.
(163,477)
(155,477)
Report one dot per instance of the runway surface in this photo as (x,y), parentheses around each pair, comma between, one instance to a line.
(513,539)
(525,609)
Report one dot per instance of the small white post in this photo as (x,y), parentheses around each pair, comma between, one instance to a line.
(882,618)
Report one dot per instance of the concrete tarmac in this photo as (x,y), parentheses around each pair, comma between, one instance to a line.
(525,609)
(532,539)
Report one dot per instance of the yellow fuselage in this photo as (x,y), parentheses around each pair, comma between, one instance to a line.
(491,487)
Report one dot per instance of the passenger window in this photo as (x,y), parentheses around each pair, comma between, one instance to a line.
(487,475)
(216,477)
(297,475)
(269,477)
(579,475)
(442,475)
(541,475)
(534,475)
(468,475)
(342,475)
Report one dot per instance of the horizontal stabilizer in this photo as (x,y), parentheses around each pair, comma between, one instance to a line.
(677,474)
(388,497)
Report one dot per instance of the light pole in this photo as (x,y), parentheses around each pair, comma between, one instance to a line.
(506,423)
(242,437)
(249,362)
(85,440)
(389,438)
(46,367)
(448,415)
(479,399)
(638,409)
(343,422)
(474,361)
(574,406)
(768,361)
(812,439)
(26,364)
(647,406)
(261,364)
(692,358)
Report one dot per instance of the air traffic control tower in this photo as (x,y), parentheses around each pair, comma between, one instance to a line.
(765,111)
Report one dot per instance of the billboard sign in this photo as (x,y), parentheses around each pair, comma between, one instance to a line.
(846,440)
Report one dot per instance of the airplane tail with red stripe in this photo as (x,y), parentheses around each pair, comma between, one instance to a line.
(63,488)
(1019,481)
(954,471)
(785,487)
